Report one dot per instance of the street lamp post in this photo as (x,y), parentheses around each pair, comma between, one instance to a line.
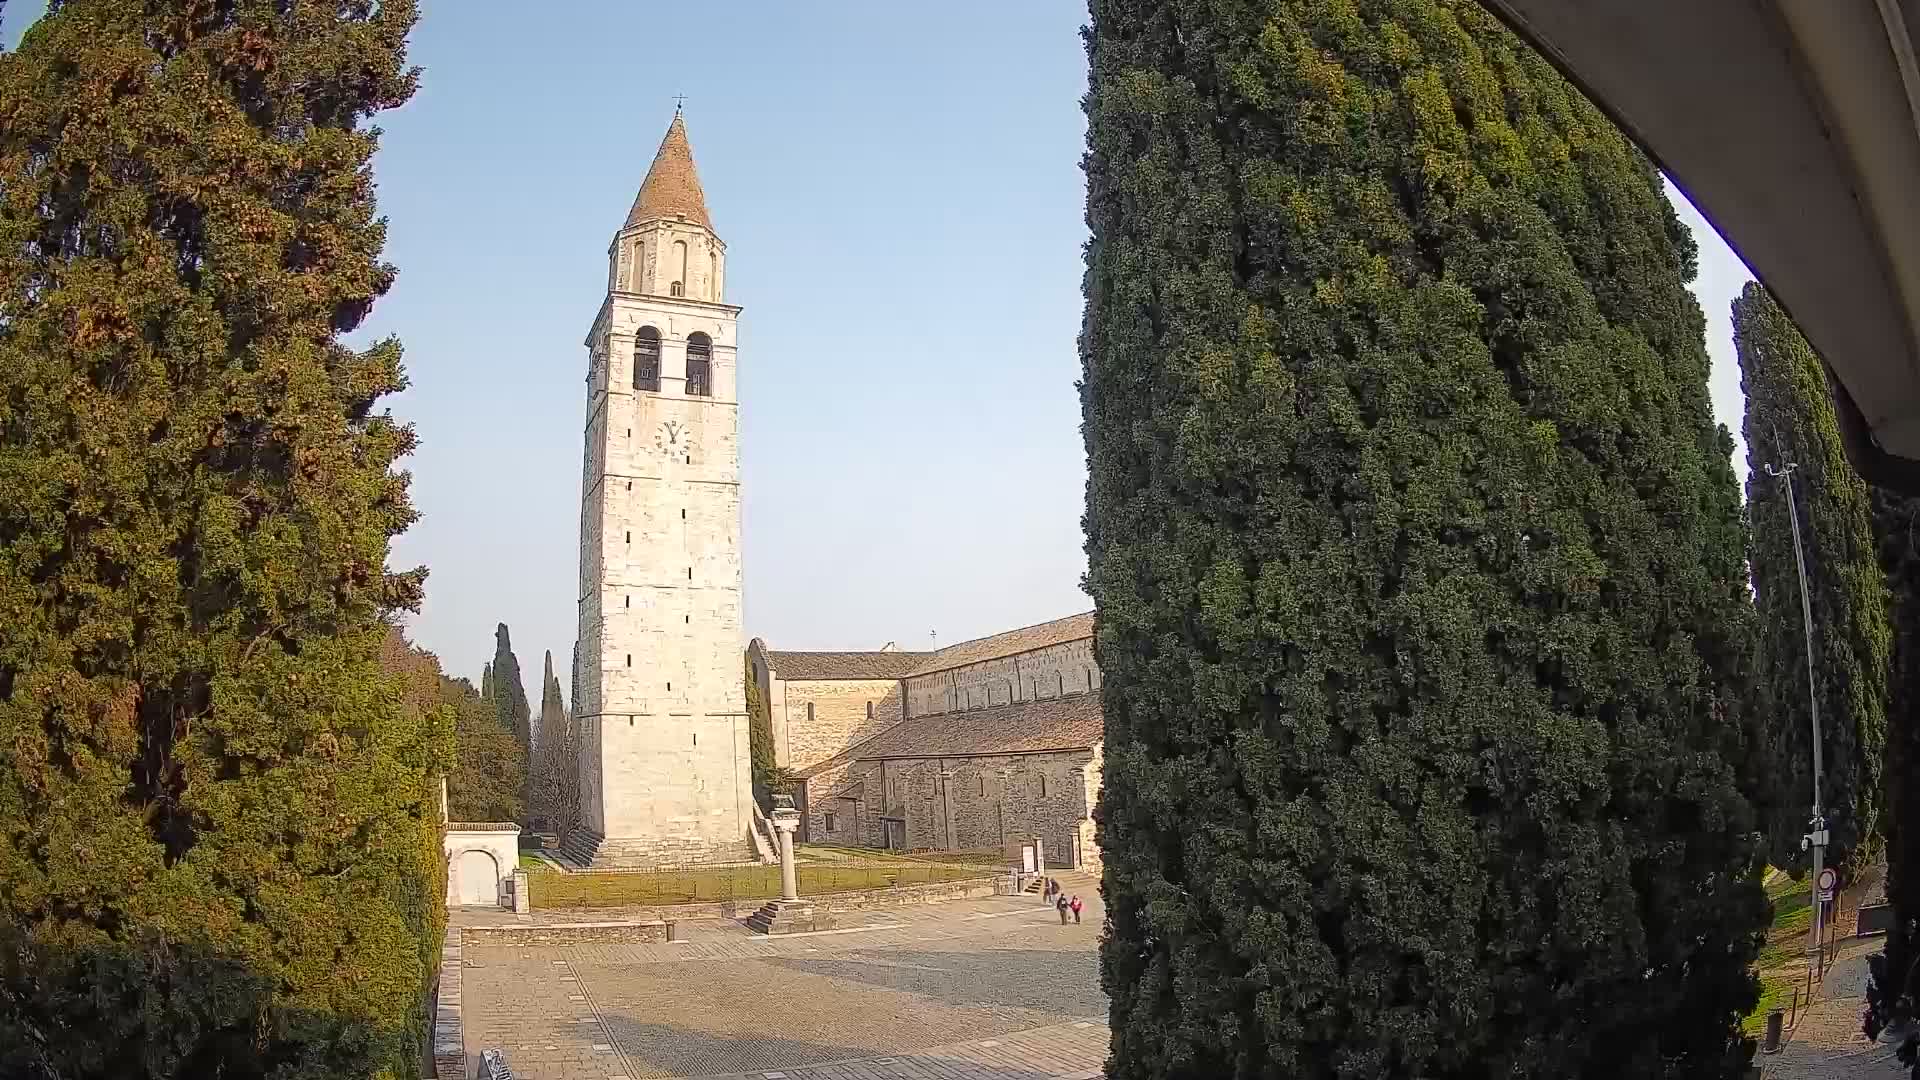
(1816,839)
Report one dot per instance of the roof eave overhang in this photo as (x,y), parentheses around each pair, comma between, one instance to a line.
(1794,126)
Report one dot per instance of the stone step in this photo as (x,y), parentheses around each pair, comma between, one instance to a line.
(789,917)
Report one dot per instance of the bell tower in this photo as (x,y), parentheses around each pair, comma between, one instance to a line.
(664,773)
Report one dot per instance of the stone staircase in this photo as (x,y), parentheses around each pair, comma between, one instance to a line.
(579,850)
(765,847)
(1072,882)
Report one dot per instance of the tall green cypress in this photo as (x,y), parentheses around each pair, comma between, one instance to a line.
(556,772)
(221,855)
(486,683)
(760,748)
(1418,561)
(1790,419)
(509,693)
(1893,994)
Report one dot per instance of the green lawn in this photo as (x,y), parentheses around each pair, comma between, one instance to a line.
(549,889)
(1782,963)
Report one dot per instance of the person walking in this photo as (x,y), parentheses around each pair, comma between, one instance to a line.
(1046,895)
(1076,909)
(1060,905)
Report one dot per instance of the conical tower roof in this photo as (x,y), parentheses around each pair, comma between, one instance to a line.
(672,187)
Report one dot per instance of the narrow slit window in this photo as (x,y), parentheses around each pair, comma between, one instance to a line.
(629,659)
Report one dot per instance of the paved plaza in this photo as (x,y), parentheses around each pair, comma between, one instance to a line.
(992,989)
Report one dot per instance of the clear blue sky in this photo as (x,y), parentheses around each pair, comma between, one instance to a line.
(899,189)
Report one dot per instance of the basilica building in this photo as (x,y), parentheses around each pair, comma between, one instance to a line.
(977,746)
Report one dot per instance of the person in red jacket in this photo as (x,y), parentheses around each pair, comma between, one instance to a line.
(1075,905)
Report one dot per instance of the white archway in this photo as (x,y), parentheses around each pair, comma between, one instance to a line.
(478,873)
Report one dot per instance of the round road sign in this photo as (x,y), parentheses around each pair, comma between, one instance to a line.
(1828,879)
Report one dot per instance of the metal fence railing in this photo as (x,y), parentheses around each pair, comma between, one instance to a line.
(493,1066)
(695,884)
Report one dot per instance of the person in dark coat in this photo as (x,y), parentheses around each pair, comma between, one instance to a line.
(1060,905)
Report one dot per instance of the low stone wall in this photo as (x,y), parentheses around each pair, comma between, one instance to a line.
(859,900)
(905,895)
(449,1034)
(624,932)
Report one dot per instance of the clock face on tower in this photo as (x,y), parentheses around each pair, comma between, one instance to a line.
(670,438)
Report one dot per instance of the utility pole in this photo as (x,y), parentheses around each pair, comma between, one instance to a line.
(1815,840)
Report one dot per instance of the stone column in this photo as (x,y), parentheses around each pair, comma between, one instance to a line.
(785,820)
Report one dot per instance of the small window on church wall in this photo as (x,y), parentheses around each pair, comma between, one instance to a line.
(1043,785)
(713,276)
(699,365)
(646,360)
(829,821)
(869,710)
(809,712)
(679,267)
(677,289)
(983,786)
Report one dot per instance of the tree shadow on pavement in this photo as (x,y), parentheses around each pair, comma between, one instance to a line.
(662,1050)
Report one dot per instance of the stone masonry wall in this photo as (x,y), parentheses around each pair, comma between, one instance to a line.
(975,803)
(843,713)
(1030,676)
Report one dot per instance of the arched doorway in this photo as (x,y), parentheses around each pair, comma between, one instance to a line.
(479,877)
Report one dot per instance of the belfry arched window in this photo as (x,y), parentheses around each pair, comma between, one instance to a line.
(699,365)
(646,359)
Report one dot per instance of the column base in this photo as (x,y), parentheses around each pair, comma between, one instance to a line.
(789,917)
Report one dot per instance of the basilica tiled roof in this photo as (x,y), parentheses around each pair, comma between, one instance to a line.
(672,187)
(1024,727)
(1025,639)
(805,666)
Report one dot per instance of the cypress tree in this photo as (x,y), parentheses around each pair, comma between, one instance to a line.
(556,774)
(1790,419)
(1893,993)
(221,855)
(760,741)
(509,693)
(1418,561)
(486,683)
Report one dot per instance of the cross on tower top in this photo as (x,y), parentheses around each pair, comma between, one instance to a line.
(679,102)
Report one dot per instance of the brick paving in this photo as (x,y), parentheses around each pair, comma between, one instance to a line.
(991,989)
(1827,1043)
